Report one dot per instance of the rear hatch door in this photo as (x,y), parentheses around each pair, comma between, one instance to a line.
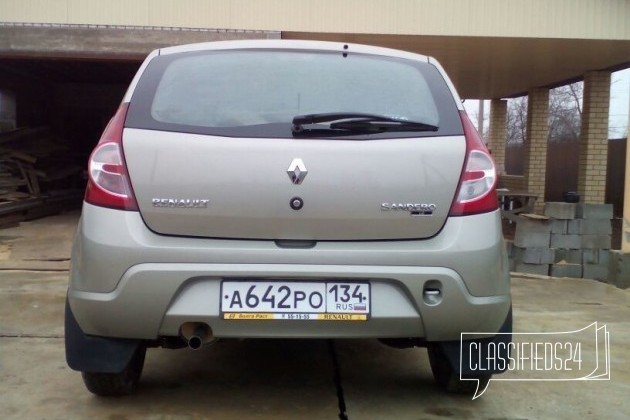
(206,186)
(210,136)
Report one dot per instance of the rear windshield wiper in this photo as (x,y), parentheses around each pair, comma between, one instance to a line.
(357,121)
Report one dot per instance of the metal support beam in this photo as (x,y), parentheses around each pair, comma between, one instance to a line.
(625,232)
(480,118)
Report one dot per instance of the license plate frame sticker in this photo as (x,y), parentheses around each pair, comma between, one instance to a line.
(295,300)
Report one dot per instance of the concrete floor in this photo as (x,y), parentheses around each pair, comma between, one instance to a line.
(283,379)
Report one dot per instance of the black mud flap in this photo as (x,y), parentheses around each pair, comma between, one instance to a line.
(481,356)
(88,353)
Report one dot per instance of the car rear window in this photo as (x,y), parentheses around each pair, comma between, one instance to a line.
(256,93)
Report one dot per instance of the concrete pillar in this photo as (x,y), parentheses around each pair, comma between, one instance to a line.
(594,138)
(497,135)
(536,144)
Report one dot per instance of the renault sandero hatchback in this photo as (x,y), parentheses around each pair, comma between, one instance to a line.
(287,189)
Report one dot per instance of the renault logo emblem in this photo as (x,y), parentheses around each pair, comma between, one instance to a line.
(297,171)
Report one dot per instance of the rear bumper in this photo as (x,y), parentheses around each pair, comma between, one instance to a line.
(156,299)
(128,282)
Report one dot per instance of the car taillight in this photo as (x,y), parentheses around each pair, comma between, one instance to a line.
(476,192)
(108,178)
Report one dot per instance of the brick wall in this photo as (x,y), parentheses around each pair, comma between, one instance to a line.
(594,137)
(512,182)
(497,135)
(536,143)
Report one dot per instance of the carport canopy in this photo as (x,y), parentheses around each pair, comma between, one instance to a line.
(491,48)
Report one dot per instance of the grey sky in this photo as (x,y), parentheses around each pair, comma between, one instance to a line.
(619,105)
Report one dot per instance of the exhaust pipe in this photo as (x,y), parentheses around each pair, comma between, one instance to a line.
(196,334)
(195,342)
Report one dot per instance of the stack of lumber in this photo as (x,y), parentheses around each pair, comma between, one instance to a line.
(36,170)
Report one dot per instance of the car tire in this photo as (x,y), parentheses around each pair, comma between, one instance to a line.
(117,384)
(447,378)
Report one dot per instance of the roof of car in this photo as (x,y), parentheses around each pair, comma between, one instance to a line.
(292,45)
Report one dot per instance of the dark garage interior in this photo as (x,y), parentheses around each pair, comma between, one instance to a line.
(53,112)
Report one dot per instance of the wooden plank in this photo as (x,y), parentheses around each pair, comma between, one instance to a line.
(22,134)
(534,216)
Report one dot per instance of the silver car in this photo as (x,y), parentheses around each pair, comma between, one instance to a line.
(287,189)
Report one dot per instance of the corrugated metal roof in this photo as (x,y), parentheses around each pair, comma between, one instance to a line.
(578,19)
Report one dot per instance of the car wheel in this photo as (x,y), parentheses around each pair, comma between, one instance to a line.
(117,384)
(447,378)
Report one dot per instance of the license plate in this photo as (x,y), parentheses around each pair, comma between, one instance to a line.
(293,300)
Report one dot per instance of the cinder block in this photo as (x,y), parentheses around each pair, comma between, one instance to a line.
(595,241)
(619,269)
(559,210)
(525,224)
(596,256)
(509,246)
(594,211)
(589,227)
(566,241)
(566,270)
(532,233)
(533,240)
(540,269)
(511,264)
(534,255)
(560,226)
(517,253)
(595,271)
(570,256)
